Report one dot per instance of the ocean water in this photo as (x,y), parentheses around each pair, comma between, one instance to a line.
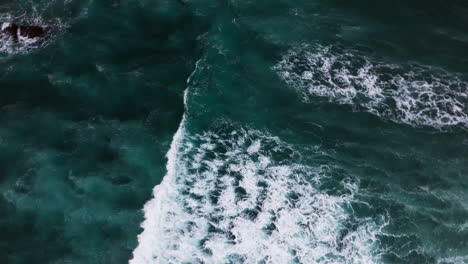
(199,131)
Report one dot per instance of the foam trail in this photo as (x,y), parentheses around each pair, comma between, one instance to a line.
(413,94)
(147,240)
(155,207)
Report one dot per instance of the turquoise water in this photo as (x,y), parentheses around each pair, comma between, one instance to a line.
(274,132)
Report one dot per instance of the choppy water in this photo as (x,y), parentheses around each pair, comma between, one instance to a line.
(274,132)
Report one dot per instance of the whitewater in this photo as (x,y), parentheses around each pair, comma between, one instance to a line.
(236,194)
(237,201)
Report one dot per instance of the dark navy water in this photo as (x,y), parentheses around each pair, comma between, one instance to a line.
(235,132)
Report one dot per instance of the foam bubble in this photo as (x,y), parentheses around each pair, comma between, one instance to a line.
(239,197)
(5,25)
(412,94)
(453,260)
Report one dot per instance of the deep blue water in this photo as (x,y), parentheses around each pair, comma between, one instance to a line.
(274,131)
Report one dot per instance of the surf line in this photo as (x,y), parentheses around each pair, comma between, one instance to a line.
(154,208)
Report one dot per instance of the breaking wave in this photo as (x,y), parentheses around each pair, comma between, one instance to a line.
(412,94)
(238,196)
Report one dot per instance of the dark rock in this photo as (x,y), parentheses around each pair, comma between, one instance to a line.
(11,31)
(31,31)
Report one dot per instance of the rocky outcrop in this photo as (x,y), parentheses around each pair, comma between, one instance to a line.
(25,31)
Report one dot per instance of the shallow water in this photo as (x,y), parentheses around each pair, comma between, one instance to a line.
(274,132)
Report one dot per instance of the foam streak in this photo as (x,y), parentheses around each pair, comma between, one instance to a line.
(412,94)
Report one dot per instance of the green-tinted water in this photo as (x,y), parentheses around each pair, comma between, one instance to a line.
(311,132)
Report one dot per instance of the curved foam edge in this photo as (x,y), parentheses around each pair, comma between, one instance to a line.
(155,207)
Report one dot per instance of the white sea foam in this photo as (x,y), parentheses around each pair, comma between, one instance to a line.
(412,94)
(239,197)
(152,225)
(156,209)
